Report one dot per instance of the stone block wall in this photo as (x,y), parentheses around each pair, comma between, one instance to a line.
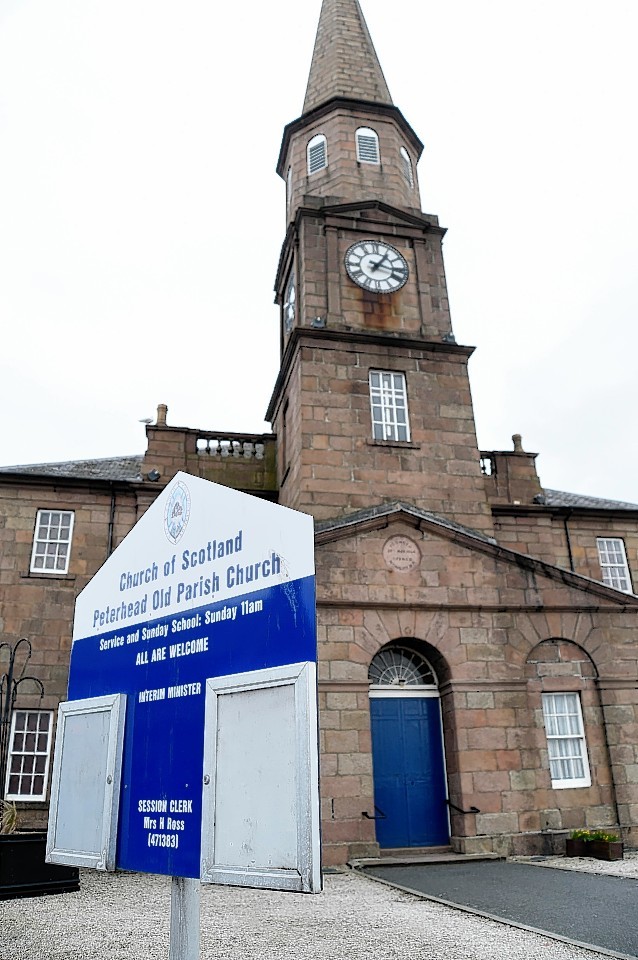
(496,646)
(420,308)
(342,469)
(40,606)
(542,533)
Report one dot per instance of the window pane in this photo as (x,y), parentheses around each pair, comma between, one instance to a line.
(29,747)
(388,406)
(613,563)
(52,541)
(565,739)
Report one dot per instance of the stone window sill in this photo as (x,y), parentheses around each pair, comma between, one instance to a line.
(400,444)
(49,576)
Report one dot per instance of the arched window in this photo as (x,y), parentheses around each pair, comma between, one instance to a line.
(406,164)
(367,145)
(401,667)
(317,153)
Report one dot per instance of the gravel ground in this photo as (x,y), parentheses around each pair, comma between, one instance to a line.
(627,867)
(120,916)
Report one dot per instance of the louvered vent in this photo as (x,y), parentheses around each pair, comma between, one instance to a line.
(367,146)
(317,154)
(407,166)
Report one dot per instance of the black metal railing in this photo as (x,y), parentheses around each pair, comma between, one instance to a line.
(10,683)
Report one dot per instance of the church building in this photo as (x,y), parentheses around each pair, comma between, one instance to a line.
(478,633)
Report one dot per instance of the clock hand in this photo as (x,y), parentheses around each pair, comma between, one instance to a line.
(375,266)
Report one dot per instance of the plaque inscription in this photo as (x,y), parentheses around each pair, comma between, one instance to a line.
(401,553)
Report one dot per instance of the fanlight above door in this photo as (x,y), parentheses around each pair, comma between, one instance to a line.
(401,667)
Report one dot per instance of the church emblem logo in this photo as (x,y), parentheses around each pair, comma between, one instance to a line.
(177,513)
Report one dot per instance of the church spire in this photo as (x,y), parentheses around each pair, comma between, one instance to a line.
(344,62)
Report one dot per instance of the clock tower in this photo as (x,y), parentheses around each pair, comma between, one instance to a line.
(372,403)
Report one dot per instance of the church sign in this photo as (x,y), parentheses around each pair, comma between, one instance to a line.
(191,723)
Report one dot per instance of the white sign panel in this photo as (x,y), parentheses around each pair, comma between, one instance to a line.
(260,824)
(85,789)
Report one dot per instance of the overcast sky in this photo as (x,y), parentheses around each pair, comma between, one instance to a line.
(141,216)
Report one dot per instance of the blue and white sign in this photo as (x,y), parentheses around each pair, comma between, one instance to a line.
(209,583)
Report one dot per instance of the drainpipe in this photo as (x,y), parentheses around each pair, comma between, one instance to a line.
(109,546)
(569,543)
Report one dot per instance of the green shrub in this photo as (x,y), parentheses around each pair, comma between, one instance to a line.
(588,835)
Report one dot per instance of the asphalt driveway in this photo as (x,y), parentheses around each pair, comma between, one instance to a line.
(582,907)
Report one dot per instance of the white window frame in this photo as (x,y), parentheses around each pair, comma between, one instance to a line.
(317,160)
(408,172)
(612,557)
(25,755)
(367,142)
(567,747)
(388,401)
(52,545)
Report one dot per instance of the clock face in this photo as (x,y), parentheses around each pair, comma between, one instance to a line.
(376,266)
(290,302)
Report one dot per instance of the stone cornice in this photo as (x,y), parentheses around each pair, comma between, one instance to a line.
(416,223)
(386,110)
(543,509)
(302,336)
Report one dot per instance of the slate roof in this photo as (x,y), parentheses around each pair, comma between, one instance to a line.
(558,498)
(123,469)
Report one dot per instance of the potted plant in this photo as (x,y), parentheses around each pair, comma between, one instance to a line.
(599,844)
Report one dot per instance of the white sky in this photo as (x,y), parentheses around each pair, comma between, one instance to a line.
(141,217)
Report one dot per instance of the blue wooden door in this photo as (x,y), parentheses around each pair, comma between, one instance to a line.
(409,772)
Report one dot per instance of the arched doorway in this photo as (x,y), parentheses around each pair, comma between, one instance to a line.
(410,791)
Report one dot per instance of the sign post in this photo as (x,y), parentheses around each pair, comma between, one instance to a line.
(199,632)
(185,926)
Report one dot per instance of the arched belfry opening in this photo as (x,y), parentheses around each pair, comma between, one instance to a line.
(410,784)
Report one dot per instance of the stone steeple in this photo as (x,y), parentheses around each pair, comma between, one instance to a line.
(347,109)
(350,338)
(344,62)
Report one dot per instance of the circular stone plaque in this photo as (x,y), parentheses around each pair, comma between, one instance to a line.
(401,553)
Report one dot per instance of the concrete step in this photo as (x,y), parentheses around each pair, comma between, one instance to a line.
(413,851)
(423,855)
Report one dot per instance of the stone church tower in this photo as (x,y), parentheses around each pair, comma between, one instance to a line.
(373,400)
